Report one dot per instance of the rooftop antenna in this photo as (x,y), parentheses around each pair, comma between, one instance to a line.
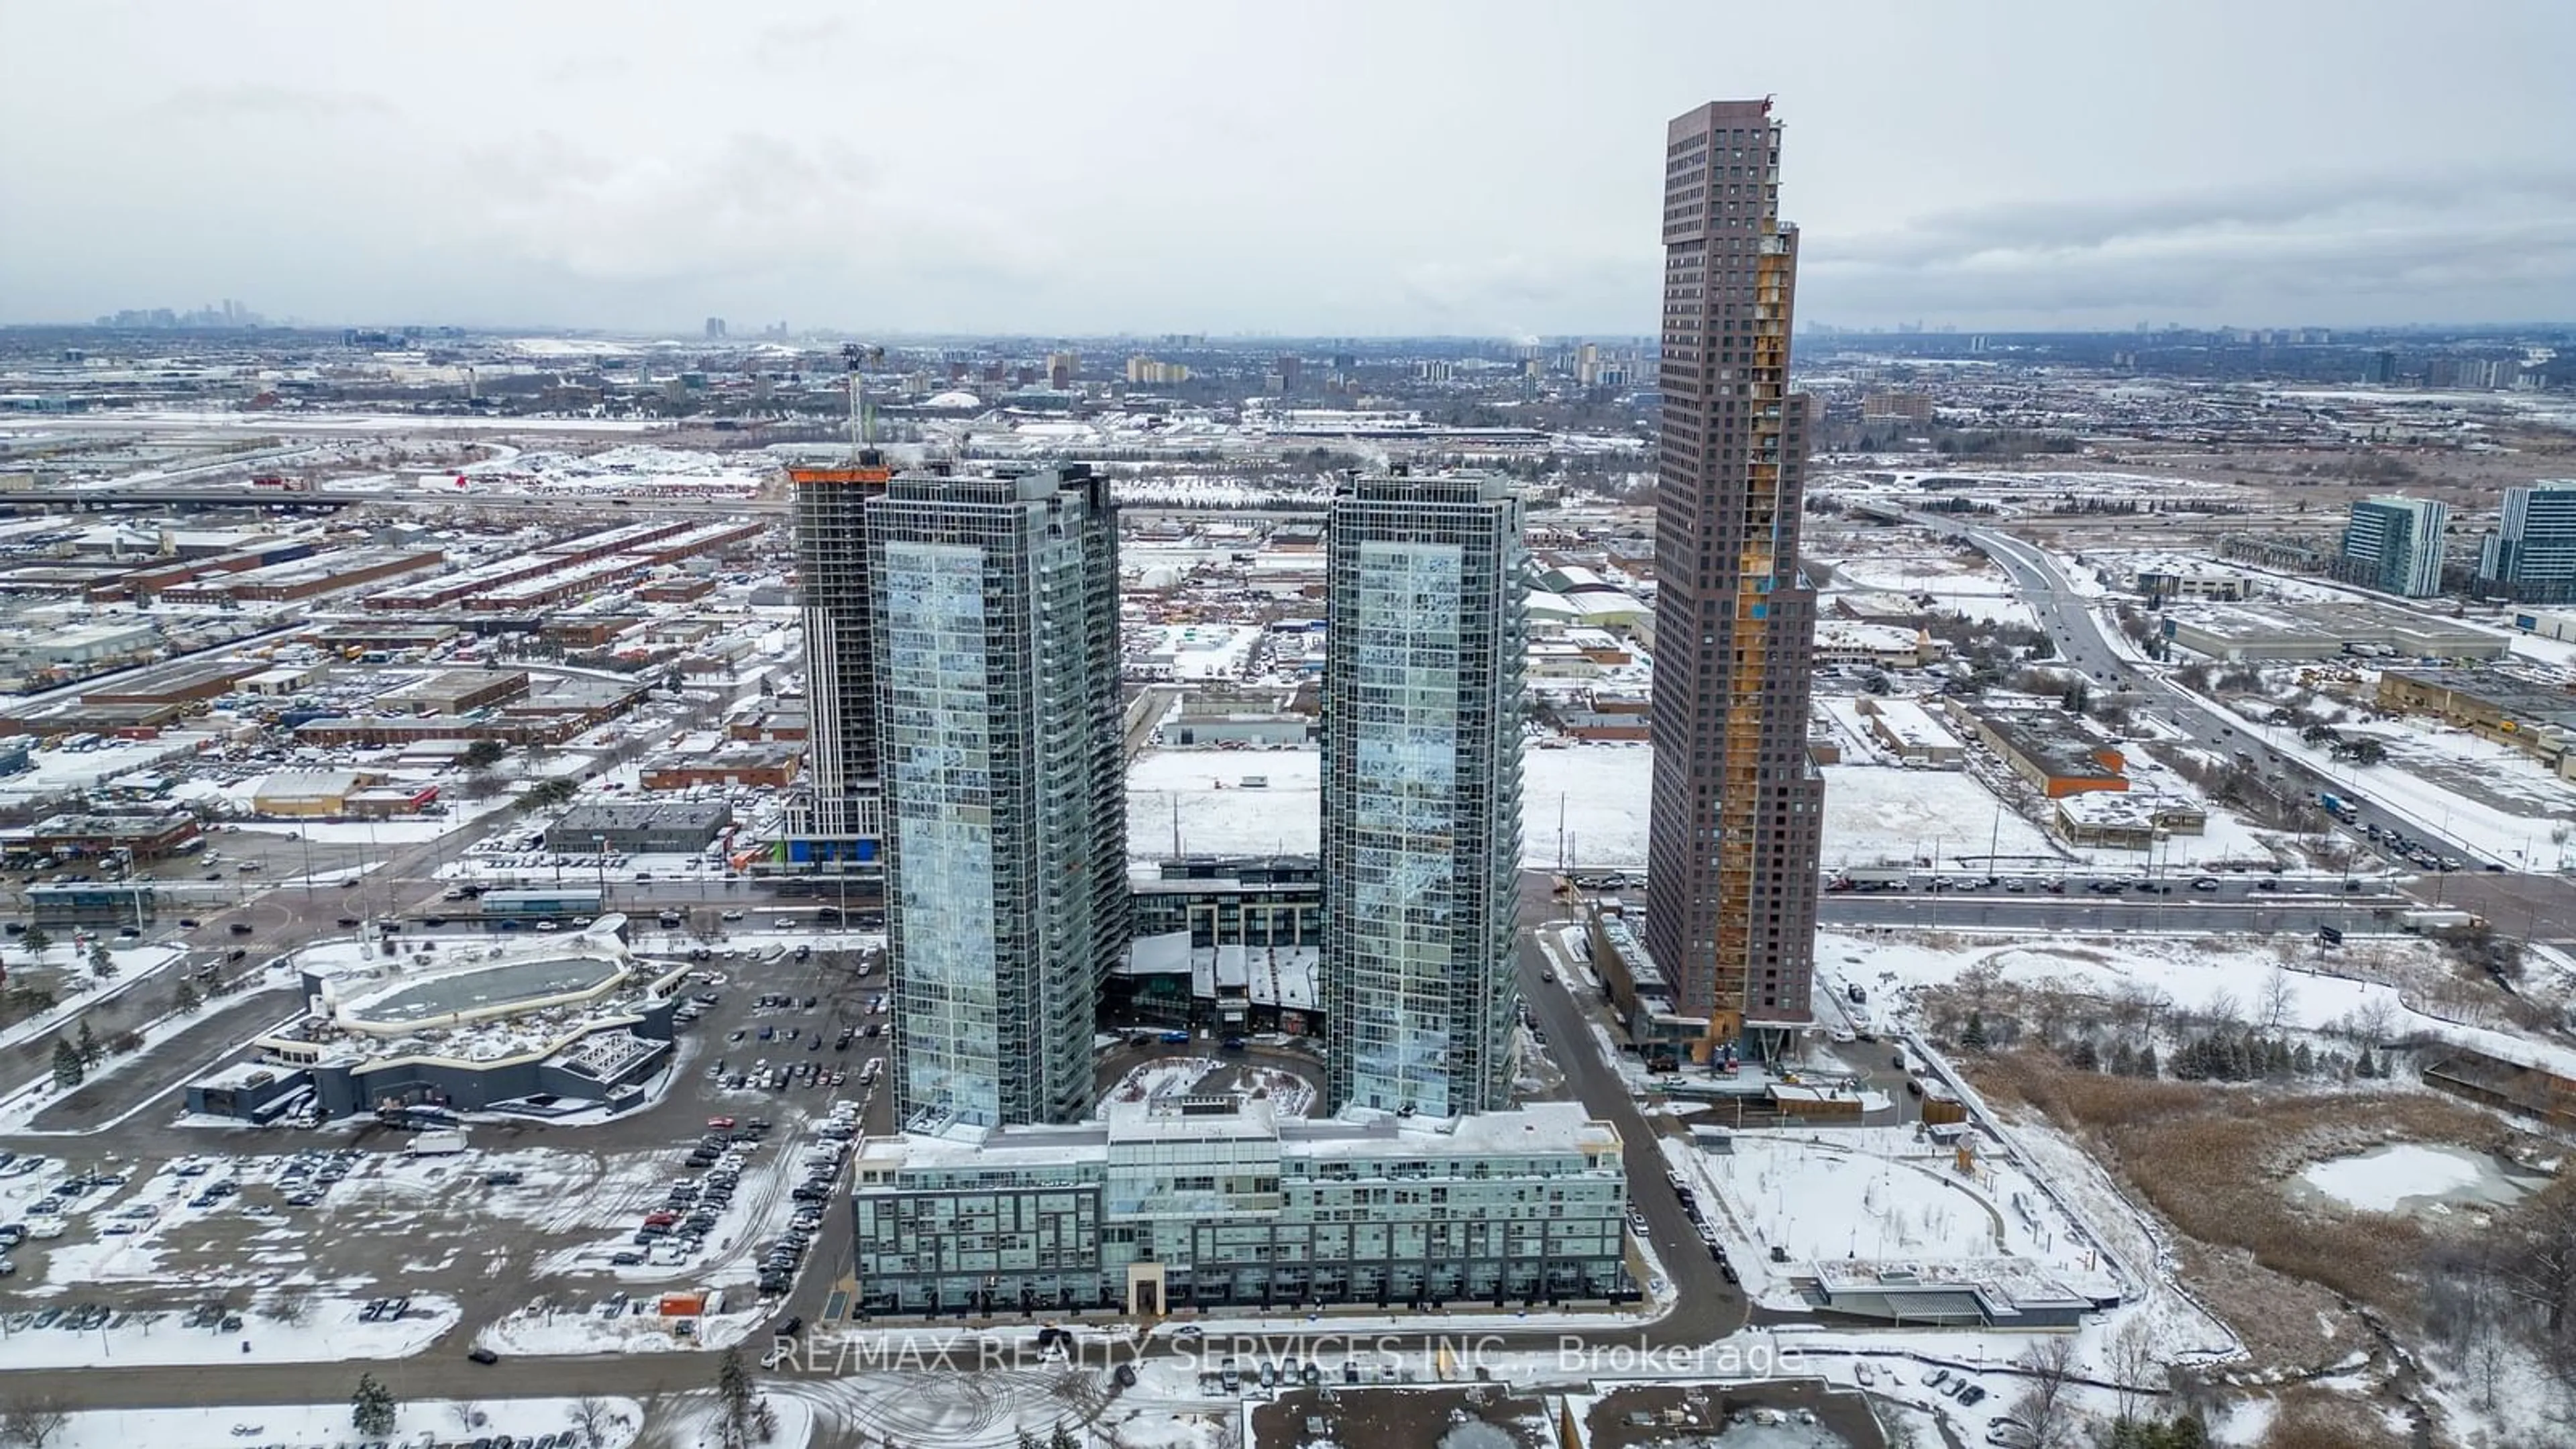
(862,426)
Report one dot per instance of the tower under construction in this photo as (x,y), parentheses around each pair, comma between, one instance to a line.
(1737,808)
(833,827)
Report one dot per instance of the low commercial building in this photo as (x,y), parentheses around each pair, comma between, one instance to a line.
(1909,731)
(309,794)
(459,691)
(2126,821)
(2530,714)
(2195,579)
(1208,1202)
(144,837)
(2057,755)
(767,767)
(2288,630)
(646,827)
(1887,646)
(1226,944)
(1229,717)
(541,1028)
(177,684)
(306,578)
(93,643)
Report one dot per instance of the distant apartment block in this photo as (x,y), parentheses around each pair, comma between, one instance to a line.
(1895,405)
(1151,372)
(2394,545)
(2532,554)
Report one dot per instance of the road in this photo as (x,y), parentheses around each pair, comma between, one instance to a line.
(2298,915)
(2540,905)
(1707,1308)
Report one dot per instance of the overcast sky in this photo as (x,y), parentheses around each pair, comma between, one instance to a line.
(1399,166)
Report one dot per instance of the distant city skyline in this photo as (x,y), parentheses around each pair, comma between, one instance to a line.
(1204,168)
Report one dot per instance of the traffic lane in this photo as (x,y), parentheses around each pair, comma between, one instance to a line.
(1951,911)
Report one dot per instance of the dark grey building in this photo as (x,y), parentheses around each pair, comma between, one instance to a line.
(1426,607)
(642,827)
(1004,788)
(1737,809)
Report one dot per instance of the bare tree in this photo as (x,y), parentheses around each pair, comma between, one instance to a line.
(468,1414)
(2223,1010)
(2043,1406)
(592,1415)
(32,1420)
(2374,1022)
(2136,1368)
(2279,999)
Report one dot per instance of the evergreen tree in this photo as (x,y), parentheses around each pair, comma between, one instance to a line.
(2148,1066)
(733,1394)
(372,1408)
(101,965)
(37,940)
(68,1070)
(1027,1440)
(90,1050)
(2124,1060)
(2086,1056)
(1974,1038)
(2362,1065)
(1062,1438)
(2303,1061)
(187,998)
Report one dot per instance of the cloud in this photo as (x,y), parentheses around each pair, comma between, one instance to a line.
(264,102)
(2475,238)
(747,206)
(791,40)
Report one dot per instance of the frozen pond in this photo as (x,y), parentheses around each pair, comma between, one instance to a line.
(2409,1175)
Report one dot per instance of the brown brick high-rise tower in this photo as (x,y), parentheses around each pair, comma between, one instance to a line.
(1737,809)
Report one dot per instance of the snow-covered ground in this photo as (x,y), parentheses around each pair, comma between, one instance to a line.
(330,1331)
(318,1424)
(1584,804)
(2513,836)
(2190,970)
(634,1326)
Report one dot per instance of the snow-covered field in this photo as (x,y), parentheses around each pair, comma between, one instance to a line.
(1589,801)
(2190,970)
(328,1424)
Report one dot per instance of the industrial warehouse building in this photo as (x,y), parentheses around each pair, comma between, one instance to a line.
(2047,747)
(1204,1202)
(309,794)
(2284,630)
(651,827)
(2532,715)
